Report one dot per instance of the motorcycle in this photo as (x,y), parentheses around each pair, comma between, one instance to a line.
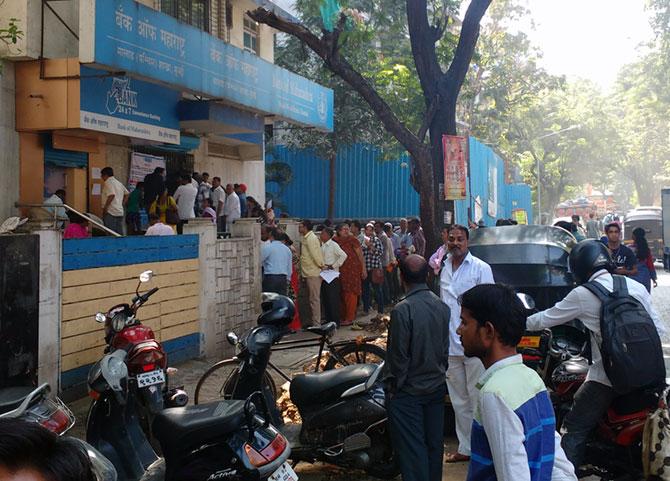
(561,359)
(343,410)
(34,405)
(228,440)
(146,360)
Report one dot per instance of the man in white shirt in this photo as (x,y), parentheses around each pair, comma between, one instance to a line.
(218,198)
(204,191)
(231,209)
(589,261)
(460,272)
(58,198)
(156,227)
(114,197)
(185,196)
(277,262)
(333,258)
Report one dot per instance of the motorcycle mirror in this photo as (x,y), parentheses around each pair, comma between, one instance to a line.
(146,276)
(527,301)
(232,338)
(100,317)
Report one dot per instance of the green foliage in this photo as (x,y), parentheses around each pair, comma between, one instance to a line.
(9,36)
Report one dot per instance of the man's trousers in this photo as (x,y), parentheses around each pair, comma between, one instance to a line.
(314,292)
(417,434)
(462,377)
(331,300)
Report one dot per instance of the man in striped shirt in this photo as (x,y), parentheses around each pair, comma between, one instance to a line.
(514,434)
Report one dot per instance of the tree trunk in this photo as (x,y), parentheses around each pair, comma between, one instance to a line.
(331,185)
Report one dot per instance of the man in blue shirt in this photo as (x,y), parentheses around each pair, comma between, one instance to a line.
(277,262)
(514,434)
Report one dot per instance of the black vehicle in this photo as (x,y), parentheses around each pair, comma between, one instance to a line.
(227,440)
(343,412)
(35,404)
(651,220)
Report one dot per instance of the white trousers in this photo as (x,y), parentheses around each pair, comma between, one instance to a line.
(462,376)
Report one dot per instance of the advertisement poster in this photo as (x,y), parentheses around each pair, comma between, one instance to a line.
(493,191)
(520,215)
(454,149)
(140,166)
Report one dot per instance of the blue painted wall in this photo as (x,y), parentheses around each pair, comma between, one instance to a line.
(367,187)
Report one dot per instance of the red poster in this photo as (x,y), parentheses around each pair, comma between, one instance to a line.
(454,149)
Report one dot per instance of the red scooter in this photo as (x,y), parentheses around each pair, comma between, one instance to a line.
(146,361)
(615,447)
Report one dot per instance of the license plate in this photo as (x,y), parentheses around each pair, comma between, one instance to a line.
(529,341)
(150,378)
(284,473)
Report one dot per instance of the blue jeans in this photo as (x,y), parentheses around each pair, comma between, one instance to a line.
(417,434)
(368,286)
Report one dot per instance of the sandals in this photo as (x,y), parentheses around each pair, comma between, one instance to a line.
(456,458)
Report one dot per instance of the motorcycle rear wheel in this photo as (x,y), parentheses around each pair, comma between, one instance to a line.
(219,381)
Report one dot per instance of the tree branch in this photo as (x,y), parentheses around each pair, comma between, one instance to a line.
(466,45)
(328,52)
(428,118)
(422,38)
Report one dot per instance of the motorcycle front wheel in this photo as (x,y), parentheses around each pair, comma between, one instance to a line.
(219,382)
(355,353)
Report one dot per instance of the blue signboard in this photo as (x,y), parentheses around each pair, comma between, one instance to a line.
(139,40)
(130,107)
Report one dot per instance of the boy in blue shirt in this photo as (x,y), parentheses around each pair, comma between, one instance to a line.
(514,434)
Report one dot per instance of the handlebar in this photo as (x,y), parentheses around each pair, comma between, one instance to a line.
(142,298)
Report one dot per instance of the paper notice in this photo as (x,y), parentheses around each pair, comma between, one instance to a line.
(96,189)
(329,275)
(95,173)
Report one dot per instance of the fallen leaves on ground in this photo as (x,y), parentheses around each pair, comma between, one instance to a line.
(288,410)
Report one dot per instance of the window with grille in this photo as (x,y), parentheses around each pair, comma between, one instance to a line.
(192,12)
(251,35)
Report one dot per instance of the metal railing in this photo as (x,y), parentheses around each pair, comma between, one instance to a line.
(48,207)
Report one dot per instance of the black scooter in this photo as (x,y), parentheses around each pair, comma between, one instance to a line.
(227,440)
(343,410)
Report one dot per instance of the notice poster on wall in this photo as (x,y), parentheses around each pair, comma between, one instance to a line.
(493,190)
(140,166)
(454,150)
(520,215)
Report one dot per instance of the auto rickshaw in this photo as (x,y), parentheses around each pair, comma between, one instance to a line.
(533,259)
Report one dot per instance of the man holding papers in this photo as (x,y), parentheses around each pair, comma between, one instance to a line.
(333,258)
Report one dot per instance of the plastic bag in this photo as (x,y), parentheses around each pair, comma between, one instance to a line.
(656,442)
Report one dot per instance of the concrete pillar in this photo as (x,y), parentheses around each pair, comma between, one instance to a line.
(206,230)
(51,276)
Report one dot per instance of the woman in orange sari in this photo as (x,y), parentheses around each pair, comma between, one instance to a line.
(352,272)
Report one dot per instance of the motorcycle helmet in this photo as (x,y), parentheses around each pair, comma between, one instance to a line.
(588,257)
(278,310)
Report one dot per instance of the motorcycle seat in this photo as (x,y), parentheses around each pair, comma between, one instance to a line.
(323,387)
(180,428)
(12,397)
(324,329)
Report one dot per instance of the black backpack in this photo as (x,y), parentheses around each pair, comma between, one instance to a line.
(631,347)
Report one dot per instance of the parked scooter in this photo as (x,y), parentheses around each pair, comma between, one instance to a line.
(227,440)
(146,360)
(343,410)
(34,405)
(615,447)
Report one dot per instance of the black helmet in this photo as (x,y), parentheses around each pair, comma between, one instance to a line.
(278,310)
(588,257)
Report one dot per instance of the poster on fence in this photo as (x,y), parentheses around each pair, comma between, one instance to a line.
(520,215)
(493,191)
(141,165)
(454,149)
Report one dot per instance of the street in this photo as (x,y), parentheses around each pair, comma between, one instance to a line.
(292,361)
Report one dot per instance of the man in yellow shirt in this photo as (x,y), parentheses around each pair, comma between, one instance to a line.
(311,264)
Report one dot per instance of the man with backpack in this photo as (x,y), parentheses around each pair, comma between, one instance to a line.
(625,339)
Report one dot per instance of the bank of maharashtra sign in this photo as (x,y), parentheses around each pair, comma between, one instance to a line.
(126,36)
(121,105)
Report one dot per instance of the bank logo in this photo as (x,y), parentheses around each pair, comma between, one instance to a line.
(322,106)
(120,98)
